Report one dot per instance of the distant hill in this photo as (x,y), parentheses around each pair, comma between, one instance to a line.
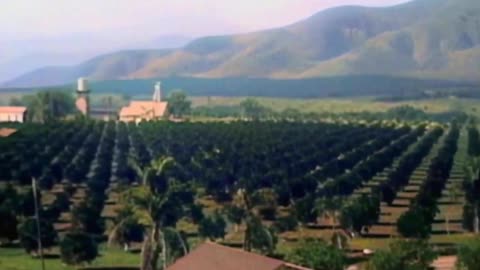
(438,39)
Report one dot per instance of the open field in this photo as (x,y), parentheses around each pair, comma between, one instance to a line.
(343,105)
(16,259)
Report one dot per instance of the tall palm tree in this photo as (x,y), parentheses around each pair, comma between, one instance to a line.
(329,207)
(154,204)
(256,234)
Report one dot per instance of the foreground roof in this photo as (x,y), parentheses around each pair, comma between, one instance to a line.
(12,109)
(210,256)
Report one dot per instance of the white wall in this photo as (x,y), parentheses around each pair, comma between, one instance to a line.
(12,117)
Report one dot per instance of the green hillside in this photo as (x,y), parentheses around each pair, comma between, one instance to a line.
(424,38)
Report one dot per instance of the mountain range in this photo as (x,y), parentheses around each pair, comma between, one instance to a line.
(437,39)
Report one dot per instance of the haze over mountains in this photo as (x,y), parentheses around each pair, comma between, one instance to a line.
(422,38)
(20,56)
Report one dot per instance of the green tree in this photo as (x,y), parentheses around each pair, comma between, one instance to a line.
(414,223)
(361,212)
(8,225)
(453,194)
(265,201)
(404,255)
(47,106)
(196,213)
(252,109)
(318,255)
(259,236)
(77,248)
(472,188)
(235,215)
(16,102)
(329,207)
(28,235)
(158,203)
(286,223)
(212,227)
(86,217)
(469,255)
(178,104)
(127,228)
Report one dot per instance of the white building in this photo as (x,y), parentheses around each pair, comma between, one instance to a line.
(13,114)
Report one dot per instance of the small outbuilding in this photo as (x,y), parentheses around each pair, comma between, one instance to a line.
(13,114)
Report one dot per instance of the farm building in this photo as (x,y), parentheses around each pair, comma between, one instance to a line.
(13,114)
(137,111)
(214,256)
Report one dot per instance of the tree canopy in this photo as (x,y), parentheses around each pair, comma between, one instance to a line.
(178,104)
(46,106)
(318,255)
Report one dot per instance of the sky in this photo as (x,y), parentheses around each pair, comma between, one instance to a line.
(31,19)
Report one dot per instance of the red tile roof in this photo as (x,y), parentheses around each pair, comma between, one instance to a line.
(144,108)
(12,109)
(211,256)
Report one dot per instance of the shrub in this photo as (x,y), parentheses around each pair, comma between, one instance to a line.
(287,223)
(404,255)
(469,255)
(28,235)
(318,254)
(77,248)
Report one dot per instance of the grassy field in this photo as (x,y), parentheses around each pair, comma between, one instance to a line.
(344,104)
(17,259)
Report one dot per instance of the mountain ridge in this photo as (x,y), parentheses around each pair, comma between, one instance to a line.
(423,38)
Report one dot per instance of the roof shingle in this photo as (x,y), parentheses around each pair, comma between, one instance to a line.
(12,109)
(142,108)
(210,256)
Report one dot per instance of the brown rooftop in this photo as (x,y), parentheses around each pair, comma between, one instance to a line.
(210,256)
(143,108)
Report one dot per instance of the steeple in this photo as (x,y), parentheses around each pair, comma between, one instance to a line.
(157,95)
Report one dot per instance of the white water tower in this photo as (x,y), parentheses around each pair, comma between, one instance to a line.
(83,100)
(82,85)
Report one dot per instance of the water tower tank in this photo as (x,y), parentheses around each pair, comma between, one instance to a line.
(82,85)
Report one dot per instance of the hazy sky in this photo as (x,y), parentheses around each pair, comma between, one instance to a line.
(20,19)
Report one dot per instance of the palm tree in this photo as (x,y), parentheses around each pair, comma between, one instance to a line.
(156,204)
(472,172)
(329,207)
(256,234)
(126,228)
